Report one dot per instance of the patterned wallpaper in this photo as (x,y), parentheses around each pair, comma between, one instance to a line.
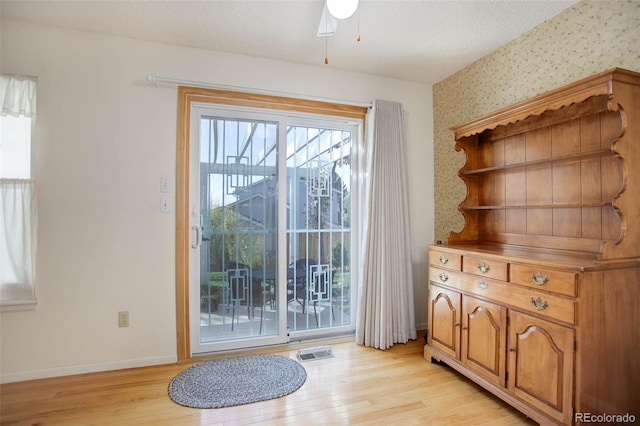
(589,37)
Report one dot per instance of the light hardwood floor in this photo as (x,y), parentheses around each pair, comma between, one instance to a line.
(358,385)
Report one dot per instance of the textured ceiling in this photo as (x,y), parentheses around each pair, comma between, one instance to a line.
(423,41)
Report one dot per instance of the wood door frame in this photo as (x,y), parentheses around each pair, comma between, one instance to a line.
(186,96)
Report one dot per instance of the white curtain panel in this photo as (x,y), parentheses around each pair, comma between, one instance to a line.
(18,223)
(385,313)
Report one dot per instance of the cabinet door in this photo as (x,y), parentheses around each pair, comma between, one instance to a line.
(444,320)
(484,336)
(540,364)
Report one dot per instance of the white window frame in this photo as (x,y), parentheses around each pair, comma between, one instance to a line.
(18,99)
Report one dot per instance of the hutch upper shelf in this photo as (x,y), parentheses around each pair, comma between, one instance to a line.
(553,172)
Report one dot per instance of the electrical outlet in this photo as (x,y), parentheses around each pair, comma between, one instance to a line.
(123,319)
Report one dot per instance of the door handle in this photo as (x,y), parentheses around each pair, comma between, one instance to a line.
(198,230)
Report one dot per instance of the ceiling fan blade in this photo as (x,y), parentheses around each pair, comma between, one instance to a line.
(328,24)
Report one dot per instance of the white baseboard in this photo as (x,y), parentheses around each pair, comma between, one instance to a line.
(421,326)
(86,368)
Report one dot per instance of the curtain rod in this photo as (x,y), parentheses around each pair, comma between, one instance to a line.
(154,80)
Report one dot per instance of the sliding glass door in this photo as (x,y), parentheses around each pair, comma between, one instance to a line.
(270,199)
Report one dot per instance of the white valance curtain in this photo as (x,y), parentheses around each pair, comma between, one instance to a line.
(18,207)
(18,95)
(386,313)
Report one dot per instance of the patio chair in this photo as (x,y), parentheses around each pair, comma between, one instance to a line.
(296,289)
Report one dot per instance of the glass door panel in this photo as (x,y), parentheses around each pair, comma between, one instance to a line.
(237,206)
(318,228)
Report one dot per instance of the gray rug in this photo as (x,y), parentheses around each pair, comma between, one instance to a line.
(236,381)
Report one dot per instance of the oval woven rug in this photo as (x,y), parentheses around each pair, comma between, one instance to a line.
(236,381)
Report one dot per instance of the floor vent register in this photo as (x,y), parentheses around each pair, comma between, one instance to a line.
(318,352)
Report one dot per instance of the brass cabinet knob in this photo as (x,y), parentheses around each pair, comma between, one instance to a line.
(539,279)
(483,285)
(483,267)
(538,303)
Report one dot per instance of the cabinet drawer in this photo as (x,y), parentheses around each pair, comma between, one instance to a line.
(485,287)
(443,276)
(485,267)
(523,299)
(445,260)
(545,304)
(544,279)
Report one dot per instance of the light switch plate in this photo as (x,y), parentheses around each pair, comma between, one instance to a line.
(164,205)
(164,184)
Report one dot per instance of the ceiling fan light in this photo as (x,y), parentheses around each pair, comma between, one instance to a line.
(342,9)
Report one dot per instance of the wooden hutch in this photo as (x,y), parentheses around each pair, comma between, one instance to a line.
(537,298)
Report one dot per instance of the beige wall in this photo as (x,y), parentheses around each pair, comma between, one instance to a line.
(590,37)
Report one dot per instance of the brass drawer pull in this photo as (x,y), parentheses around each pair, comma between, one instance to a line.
(444,259)
(539,279)
(539,304)
(483,285)
(483,267)
(444,277)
